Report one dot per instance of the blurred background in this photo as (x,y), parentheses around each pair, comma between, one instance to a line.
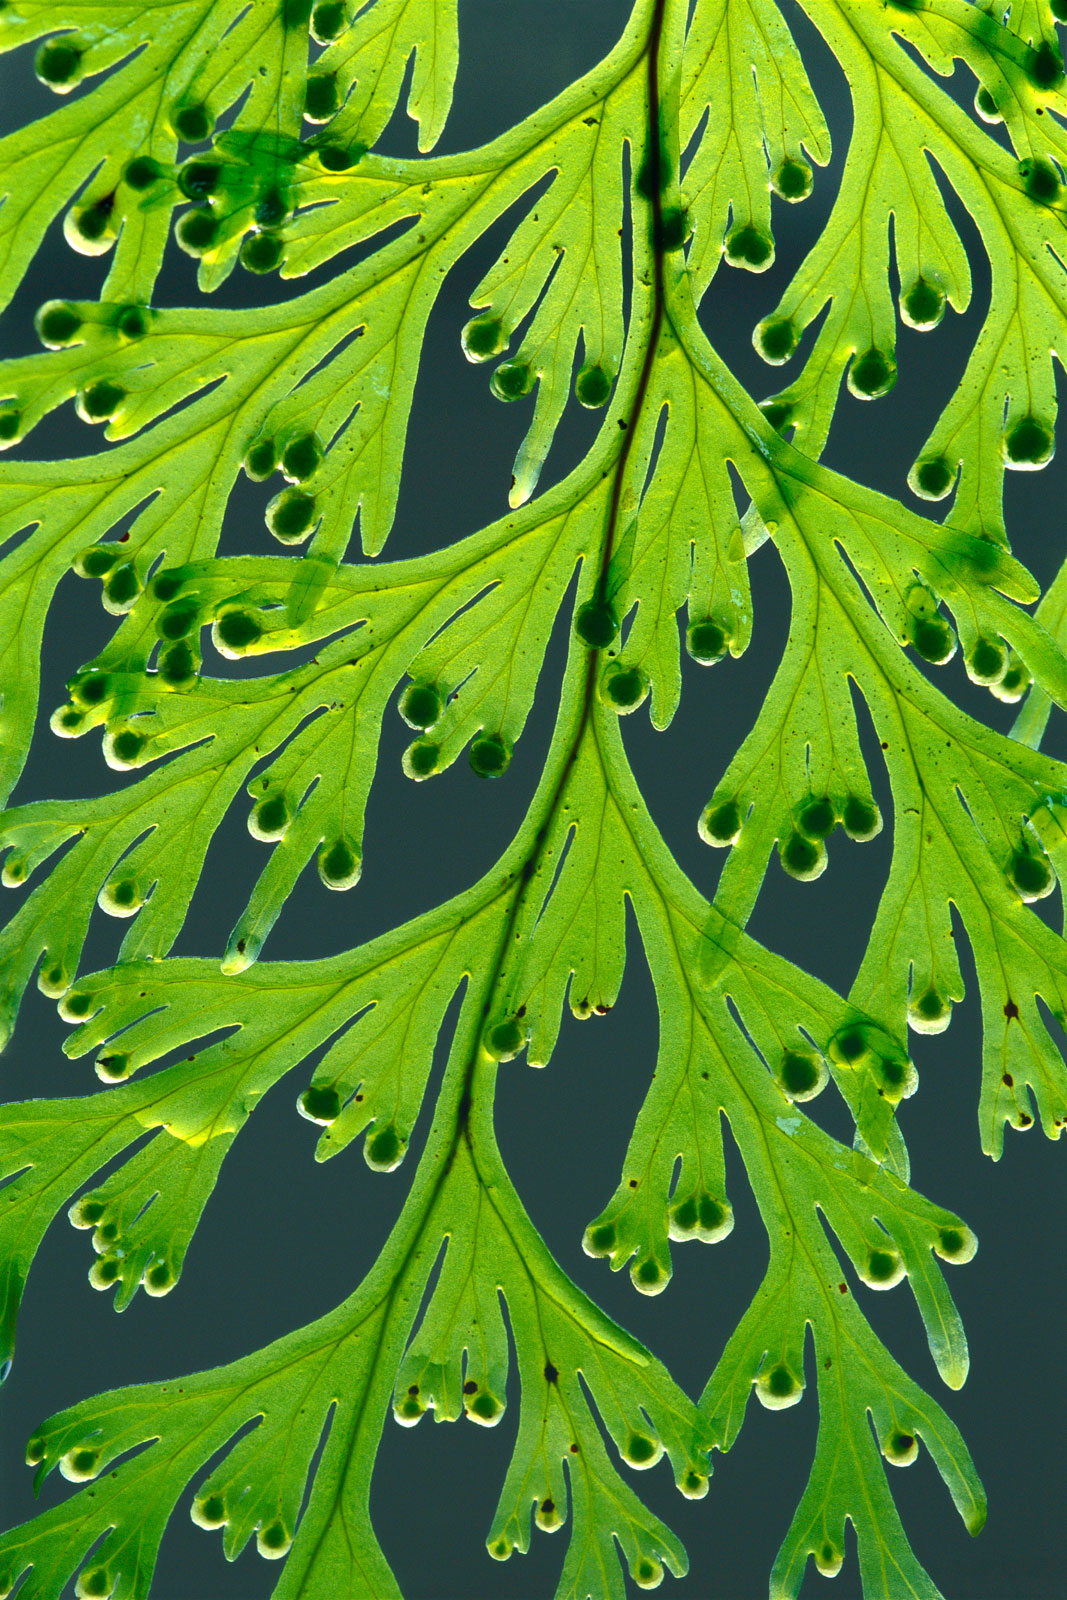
(260,1264)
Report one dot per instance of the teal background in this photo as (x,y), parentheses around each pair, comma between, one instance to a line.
(284,1239)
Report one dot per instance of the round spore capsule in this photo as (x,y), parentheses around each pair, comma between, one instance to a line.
(336,159)
(512,380)
(80,1464)
(178,620)
(199,178)
(490,755)
(504,1040)
(871,375)
(320,1103)
(291,516)
(934,640)
(274,1540)
(86,1213)
(407,1411)
(714,1219)
(901,1448)
(748,246)
(271,208)
(986,106)
(483,338)
(58,64)
(121,587)
(90,688)
(141,173)
(159,1278)
(804,859)
(261,252)
(192,123)
(779,413)
(167,583)
(127,745)
(849,1046)
(793,180)
(929,1012)
(383,1150)
(421,758)
(1013,685)
(57,324)
(132,322)
(210,1512)
(599,1239)
(1040,180)
(123,899)
(648,1276)
(100,400)
(802,1074)
(322,98)
(237,630)
(328,20)
(89,230)
(720,823)
(776,339)
(178,665)
(817,819)
(987,662)
(261,460)
(302,457)
(1031,875)
(340,864)
(269,819)
(956,1244)
(923,305)
(623,687)
(592,387)
(197,231)
(1044,65)
(780,1382)
(894,1072)
(706,641)
(485,1409)
(10,421)
(884,1269)
(683,1218)
(777,1387)
(641,1451)
(421,705)
(1028,445)
(861,819)
(595,624)
(933,478)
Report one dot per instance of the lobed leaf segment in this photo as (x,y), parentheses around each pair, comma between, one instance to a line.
(687,131)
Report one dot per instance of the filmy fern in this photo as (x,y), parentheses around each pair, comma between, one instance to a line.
(615,206)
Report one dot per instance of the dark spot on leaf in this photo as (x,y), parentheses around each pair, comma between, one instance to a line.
(1008,1081)
(551,1374)
(1011,1010)
(470,1387)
